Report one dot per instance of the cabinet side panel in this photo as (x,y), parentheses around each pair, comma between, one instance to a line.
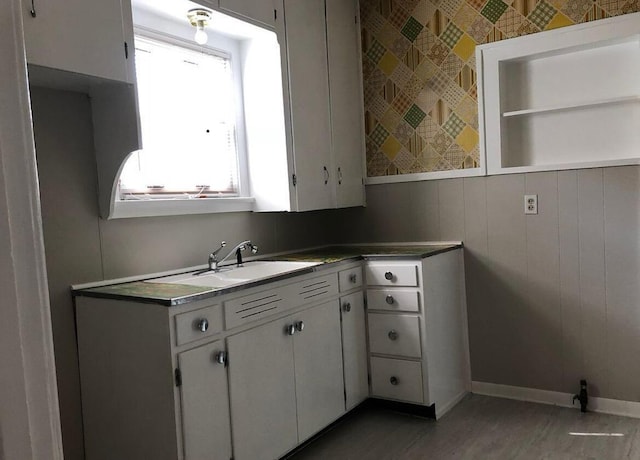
(446,325)
(354,350)
(126,379)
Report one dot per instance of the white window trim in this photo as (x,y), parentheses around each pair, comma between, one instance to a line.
(170,207)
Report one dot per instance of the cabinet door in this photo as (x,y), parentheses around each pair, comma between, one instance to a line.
(318,369)
(81,36)
(347,118)
(205,404)
(257,10)
(354,349)
(262,391)
(309,102)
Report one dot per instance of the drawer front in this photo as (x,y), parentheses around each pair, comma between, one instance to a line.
(315,289)
(350,279)
(381,274)
(397,379)
(254,307)
(197,324)
(393,299)
(397,335)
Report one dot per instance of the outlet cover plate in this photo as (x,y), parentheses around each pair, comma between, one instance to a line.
(531,204)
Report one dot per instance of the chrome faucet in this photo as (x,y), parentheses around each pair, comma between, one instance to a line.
(214,263)
(213,257)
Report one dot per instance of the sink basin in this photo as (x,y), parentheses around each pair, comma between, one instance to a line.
(232,275)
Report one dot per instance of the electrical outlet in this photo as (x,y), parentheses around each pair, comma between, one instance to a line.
(531,204)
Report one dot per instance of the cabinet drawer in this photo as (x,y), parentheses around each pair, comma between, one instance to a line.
(350,279)
(392,274)
(393,299)
(254,307)
(394,335)
(197,324)
(396,379)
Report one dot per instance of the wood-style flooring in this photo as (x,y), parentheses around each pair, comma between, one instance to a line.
(480,427)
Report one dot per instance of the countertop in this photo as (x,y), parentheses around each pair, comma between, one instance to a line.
(170,294)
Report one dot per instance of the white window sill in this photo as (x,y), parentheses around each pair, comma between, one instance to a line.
(154,208)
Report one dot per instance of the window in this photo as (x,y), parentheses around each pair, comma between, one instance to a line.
(188,121)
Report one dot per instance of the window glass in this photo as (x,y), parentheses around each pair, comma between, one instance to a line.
(187,116)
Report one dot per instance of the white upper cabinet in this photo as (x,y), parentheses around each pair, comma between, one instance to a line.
(86,37)
(564,99)
(324,102)
(259,11)
(309,101)
(345,87)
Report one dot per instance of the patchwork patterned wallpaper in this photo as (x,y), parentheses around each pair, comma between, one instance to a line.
(420,91)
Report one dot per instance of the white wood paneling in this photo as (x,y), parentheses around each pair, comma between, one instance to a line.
(506,289)
(569,252)
(543,337)
(451,209)
(622,263)
(592,279)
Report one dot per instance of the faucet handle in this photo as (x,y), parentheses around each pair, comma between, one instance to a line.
(253,247)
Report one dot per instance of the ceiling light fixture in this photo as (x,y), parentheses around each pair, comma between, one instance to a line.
(199,18)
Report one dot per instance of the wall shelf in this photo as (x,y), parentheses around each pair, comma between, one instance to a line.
(562,99)
(579,105)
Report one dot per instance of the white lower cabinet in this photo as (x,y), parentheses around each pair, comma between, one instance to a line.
(286,381)
(205,403)
(417,320)
(262,391)
(354,349)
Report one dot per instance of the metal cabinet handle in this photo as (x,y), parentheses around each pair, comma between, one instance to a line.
(394,380)
(290,329)
(221,358)
(393,335)
(326,175)
(346,307)
(299,325)
(388,276)
(339,176)
(202,325)
(33,8)
(389,299)
(353,278)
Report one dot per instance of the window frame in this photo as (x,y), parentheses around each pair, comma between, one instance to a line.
(178,205)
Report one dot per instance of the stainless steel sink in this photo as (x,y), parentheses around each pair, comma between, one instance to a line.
(232,275)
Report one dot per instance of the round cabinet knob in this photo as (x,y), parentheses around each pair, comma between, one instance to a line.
(393,335)
(353,278)
(290,329)
(221,357)
(389,299)
(202,325)
(394,380)
(388,276)
(300,326)
(346,307)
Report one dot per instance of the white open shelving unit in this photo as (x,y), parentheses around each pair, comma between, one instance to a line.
(563,99)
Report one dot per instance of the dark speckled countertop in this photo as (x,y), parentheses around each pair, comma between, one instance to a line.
(170,294)
(332,254)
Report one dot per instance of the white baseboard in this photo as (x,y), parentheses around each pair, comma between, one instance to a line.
(555,398)
(443,409)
